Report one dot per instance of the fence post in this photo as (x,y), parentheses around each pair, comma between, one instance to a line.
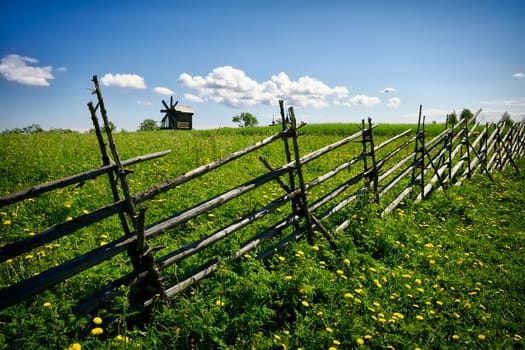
(374,175)
(294,202)
(466,143)
(140,253)
(303,197)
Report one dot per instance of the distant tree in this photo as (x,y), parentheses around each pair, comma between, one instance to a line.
(148,125)
(466,114)
(505,119)
(245,120)
(112,126)
(452,118)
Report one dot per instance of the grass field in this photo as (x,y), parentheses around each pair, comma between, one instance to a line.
(445,274)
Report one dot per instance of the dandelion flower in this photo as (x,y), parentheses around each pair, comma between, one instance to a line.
(219,303)
(329,330)
(482,336)
(97,331)
(336,342)
(122,338)
(339,272)
(346,261)
(517,337)
(47,304)
(419,317)
(305,303)
(28,257)
(288,278)
(75,346)
(69,218)
(360,341)
(7,222)
(97,320)
(332,348)
(315,247)
(455,337)
(9,261)
(282,258)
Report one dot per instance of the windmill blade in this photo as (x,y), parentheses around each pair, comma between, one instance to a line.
(171,102)
(165,105)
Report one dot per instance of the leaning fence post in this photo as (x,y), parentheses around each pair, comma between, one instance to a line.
(375,171)
(140,254)
(303,197)
(295,204)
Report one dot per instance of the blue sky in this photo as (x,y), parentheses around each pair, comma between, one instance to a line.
(334,61)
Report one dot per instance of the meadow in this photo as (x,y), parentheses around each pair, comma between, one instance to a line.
(443,274)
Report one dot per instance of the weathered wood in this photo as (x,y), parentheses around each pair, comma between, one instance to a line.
(37,190)
(11,250)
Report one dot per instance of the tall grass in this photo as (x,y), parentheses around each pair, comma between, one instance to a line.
(443,274)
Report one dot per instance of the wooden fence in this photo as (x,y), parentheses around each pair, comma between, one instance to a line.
(457,153)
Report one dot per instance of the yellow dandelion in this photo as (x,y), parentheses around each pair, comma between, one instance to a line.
(97,320)
(439,302)
(329,330)
(420,318)
(315,247)
(332,348)
(517,337)
(429,245)
(367,336)
(103,243)
(29,257)
(277,336)
(69,218)
(339,272)
(360,341)
(482,337)
(288,278)
(97,331)
(219,303)
(417,281)
(9,261)
(75,346)
(85,211)
(122,338)
(336,342)
(455,337)
(47,304)
(7,222)
(305,303)
(346,262)
(282,258)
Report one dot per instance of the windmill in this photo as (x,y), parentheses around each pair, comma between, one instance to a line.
(175,116)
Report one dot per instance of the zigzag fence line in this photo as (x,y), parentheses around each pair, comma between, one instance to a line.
(390,175)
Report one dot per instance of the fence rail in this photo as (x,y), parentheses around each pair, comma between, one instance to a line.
(389,176)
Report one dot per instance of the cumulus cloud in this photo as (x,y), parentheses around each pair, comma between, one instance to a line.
(365,100)
(394,102)
(132,81)
(20,69)
(388,89)
(163,91)
(518,75)
(232,87)
(193,98)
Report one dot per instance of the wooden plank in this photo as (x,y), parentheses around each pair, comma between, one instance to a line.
(37,190)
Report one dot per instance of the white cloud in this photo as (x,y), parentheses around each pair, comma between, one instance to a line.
(365,100)
(518,75)
(18,69)
(193,98)
(394,102)
(388,89)
(62,69)
(163,91)
(520,102)
(144,103)
(132,81)
(232,87)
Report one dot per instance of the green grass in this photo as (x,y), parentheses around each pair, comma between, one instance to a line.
(446,273)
